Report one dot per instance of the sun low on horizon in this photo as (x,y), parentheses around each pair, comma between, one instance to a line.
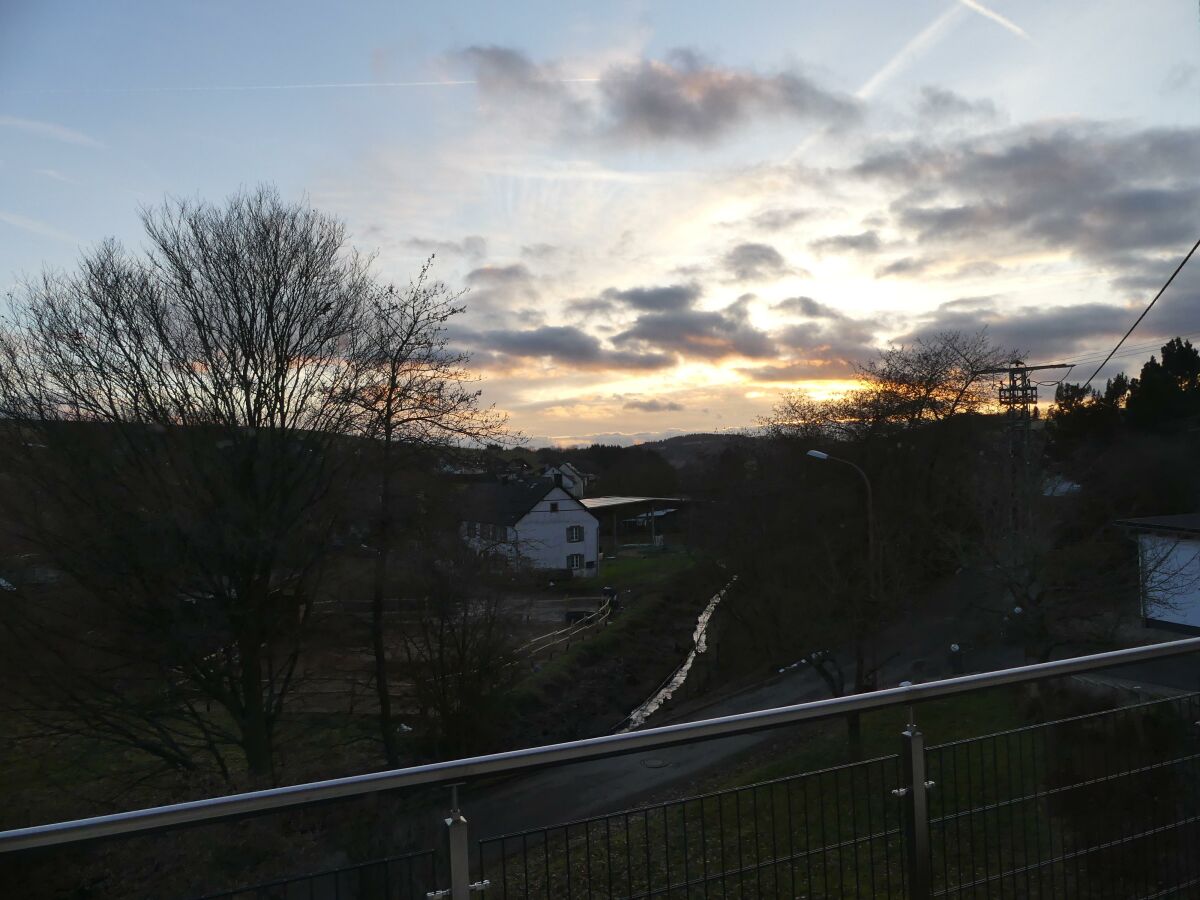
(662,216)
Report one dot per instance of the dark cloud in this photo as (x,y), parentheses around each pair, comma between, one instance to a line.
(652,405)
(1092,191)
(656,299)
(540,251)
(941,105)
(686,97)
(510,83)
(1039,332)
(500,276)
(498,289)
(807,306)
(756,262)
(699,334)
(779,219)
(565,345)
(683,97)
(903,267)
(591,306)
(866,242)
(473,246)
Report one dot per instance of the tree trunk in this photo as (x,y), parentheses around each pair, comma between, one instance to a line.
(383,553)
(256,731)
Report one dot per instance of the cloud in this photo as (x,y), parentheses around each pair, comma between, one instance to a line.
(685,97)
(540,251)
(656,299)
(866,242)
(807,306)
(699,334)
(756,262)
(1099,194)
(1040,332)
(652,405)
(903,267)
(517,274)
(473,246)
(566,346)
(498,289)
(940,105)
(780,218)
(50,130)
(682,97)
(659,298)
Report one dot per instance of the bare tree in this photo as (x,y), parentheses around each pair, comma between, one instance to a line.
(930,380)
(177,420)
(415,398)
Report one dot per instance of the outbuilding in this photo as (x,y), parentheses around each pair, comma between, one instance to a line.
(1169,569)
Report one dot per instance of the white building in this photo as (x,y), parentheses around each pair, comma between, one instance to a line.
(568,478)
(534,523)
(1169,567)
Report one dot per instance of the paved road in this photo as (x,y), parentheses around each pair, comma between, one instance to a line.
(572,792)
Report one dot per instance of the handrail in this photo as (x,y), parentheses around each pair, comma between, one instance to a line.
(272,799)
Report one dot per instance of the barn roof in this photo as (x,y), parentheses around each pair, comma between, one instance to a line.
(505,503)
(1188,523)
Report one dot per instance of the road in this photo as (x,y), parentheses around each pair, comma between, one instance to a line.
(583,790)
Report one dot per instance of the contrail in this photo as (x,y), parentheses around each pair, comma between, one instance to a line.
(997,18)
(917,47)
(236,88)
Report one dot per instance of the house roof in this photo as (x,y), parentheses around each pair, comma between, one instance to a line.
(1188,523)
(504,503)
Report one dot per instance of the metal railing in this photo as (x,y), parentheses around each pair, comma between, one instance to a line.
(1003,813)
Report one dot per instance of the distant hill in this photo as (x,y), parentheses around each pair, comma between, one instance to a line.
(687,449)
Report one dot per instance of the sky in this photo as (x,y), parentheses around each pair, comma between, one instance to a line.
(664,215)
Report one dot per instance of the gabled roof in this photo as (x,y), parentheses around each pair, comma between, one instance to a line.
(1188,523)
(505,503)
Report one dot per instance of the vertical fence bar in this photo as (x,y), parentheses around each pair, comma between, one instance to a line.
(460,859)
(915,804)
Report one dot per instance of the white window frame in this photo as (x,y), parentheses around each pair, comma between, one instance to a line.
(575,561)
(575,534)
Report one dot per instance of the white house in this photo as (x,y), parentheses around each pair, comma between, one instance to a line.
(567,477)
(1169,564)
(534,523)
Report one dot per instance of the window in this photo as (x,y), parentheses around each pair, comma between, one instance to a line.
(574,534)
(575,561)
(553,506)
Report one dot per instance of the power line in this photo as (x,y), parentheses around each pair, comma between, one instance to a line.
(1137,322)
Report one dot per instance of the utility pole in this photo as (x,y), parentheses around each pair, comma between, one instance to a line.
(1019,398)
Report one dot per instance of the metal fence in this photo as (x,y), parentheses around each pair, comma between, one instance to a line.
(830,833)
(1103,803)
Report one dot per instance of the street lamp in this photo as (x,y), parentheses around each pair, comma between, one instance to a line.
(872,561)
(819,455)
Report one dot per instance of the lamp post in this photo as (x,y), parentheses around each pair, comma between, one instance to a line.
(872,550)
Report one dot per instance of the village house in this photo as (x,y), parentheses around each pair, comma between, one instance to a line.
(535,523)
(1169,569)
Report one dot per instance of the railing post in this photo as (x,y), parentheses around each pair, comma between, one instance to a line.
(915,804)
(460,850)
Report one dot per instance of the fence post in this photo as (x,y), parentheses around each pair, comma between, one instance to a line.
(915,804)
(460,859)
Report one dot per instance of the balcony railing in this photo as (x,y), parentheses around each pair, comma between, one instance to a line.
(1101,804)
